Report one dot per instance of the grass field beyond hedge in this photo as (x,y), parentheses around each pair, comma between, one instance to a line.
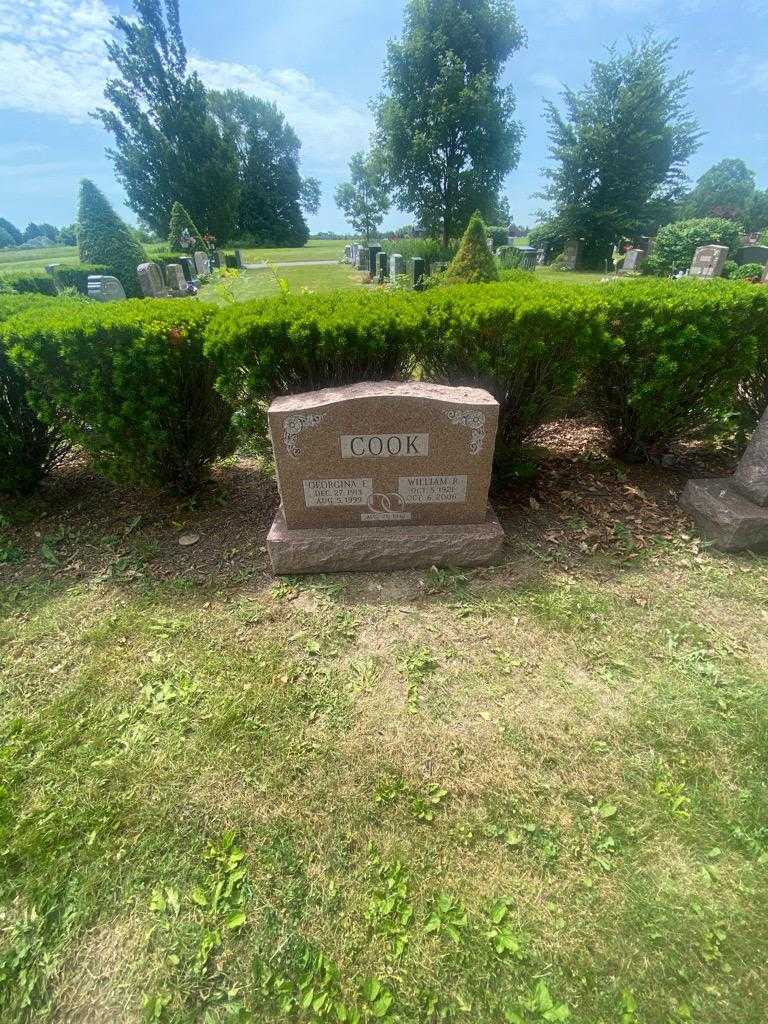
(531,793)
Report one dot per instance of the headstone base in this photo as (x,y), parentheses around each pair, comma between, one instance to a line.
(725,517)
(381,548)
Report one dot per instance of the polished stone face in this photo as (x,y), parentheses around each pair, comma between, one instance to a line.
(709,261)
(384,454)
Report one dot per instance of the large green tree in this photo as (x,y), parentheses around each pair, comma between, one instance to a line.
(444,122)
(272,191)
(620,147)
(167,144)
(728,190)
(364,199)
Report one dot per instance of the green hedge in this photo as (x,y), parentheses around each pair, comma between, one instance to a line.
(28,446)
(299,343)
(524,342)
(75,275)
(27,282)
(131,385)
(683,352)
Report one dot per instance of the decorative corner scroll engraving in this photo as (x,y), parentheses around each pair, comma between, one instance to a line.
(476,422)
(293,426)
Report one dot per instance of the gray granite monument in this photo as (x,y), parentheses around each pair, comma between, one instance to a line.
(709,260)
(733,512)
(151,281)
(104,288)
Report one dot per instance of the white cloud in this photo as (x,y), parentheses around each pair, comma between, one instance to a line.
(330,129)
(53,60)
(545,82)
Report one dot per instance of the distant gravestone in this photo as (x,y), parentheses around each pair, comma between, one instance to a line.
(709,260)
(527,257)
(373,255)
(541,257)
(396,266)
(572,254)
(416,267)
(151,281)
(733,512)
(752,254)
(104,288)
(187,268)
(347,253)
(383,476)
(633,260)
(174,278)
(230,261)
(202,266)
(382,268)
(239,259)
(362,259)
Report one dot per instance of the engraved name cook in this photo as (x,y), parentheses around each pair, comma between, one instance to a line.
(383,446)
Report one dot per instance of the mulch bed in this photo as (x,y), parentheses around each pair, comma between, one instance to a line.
(81,526)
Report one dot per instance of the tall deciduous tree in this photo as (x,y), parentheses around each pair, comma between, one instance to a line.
(167,144)
(620,147)
(444,122)
(272,192)
(723,191)
(364,199)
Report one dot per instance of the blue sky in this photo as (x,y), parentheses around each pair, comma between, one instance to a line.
(321,61)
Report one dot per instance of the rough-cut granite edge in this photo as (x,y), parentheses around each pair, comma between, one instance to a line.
(384,389)
(381,548)
(726,517)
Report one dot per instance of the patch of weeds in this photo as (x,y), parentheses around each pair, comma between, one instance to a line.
(416,665)
(628,1007)
(446,581)
(33,946)
(424,804)
(390,911)
(313,990)
(216,907)
(447,917)
(363,674)
(541,1006)
(674,798)
(505,941)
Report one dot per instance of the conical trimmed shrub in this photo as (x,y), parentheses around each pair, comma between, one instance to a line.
(105,239)
(180,220)
(474,262)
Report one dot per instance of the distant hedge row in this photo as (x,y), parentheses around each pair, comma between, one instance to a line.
(151,388)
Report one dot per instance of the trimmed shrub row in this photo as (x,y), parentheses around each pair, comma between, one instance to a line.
(26,282)
(150,388)
(29,446)
(131,385)
(75,275)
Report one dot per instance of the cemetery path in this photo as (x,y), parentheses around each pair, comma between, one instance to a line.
(296,263)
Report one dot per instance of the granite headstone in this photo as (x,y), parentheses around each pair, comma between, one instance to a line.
(382,476)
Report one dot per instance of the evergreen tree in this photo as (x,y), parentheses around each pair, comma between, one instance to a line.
(12,230)
(364,199)
(104,239)
(271,190)
(620,148)
(167,144)
(444,123)
(474,262)
(179,223)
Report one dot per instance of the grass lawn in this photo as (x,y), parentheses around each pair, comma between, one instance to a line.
(315,249)
(256,284)
(499,795)
(36,259)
